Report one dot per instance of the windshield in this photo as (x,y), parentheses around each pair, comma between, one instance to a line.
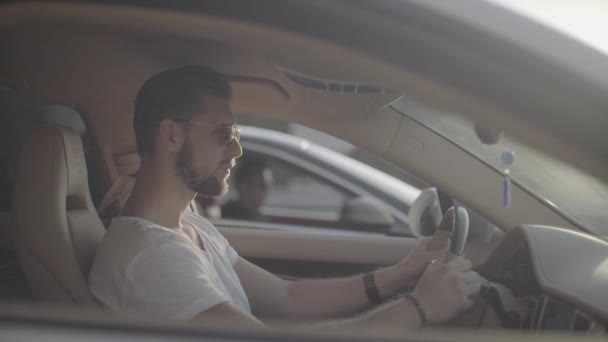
(583,20)
(574,192)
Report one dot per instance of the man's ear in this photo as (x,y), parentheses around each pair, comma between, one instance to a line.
(172,136)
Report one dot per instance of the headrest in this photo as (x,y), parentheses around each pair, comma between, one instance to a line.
(60,115)
(55,153)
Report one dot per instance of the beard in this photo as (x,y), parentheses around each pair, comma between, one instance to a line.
(206,186)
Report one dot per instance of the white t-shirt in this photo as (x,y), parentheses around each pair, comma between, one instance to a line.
(143,268)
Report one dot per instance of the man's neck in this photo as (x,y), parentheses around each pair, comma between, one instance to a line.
(157,198)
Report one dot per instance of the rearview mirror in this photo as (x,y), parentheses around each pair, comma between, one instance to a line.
(488,135)
(366,214)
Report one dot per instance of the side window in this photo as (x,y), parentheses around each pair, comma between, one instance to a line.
(293,195)
(299,196)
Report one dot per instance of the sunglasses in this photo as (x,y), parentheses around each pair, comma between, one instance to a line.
(232,133)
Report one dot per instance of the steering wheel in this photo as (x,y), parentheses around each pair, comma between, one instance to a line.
(451,227)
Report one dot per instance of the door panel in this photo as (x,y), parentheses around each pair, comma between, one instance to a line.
(292,270)
(294,251)
(316,253)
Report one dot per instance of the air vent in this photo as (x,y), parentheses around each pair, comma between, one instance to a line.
(581,322)
(529,319)
(334,86)
(551,314)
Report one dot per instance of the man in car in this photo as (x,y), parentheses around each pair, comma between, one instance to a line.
(252,179)
(159,259)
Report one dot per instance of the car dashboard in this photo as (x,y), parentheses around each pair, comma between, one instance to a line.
(557,278)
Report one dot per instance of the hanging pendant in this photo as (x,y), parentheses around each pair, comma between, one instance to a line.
(506,190)
(508,159)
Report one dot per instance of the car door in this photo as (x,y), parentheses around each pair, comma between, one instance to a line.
(296,251)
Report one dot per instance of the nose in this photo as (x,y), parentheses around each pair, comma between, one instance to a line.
(235,149)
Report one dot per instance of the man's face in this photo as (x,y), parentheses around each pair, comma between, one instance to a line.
(204,162)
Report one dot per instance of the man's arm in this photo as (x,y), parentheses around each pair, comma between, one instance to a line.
(442,292)
(270,295)
(399,314)
(227,315)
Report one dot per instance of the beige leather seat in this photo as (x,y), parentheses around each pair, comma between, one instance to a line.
(57,227)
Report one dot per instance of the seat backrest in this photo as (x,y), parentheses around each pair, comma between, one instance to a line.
(57,229)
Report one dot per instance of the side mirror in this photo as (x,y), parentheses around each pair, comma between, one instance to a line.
(366,214)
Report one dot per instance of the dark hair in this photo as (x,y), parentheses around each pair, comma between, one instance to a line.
(174,93)
(248,166)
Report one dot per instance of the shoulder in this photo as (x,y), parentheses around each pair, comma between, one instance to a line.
(128,238)
(136,230)
(213,238)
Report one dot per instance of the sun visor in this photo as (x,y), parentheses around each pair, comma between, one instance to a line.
(251,94)
(335,96)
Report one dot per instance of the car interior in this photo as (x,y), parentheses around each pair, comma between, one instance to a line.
(69,74)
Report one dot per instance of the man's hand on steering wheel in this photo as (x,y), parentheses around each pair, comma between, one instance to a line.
(444,289)
(414,265)
(445,283)
(427,250)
